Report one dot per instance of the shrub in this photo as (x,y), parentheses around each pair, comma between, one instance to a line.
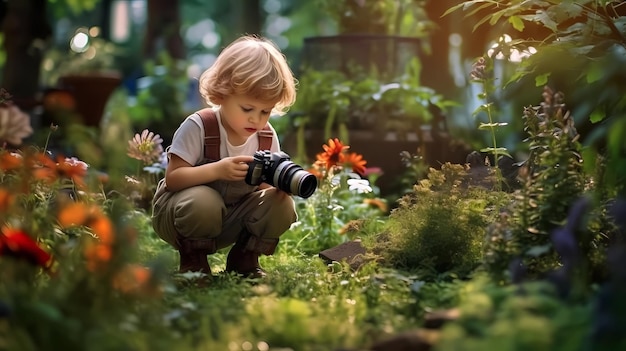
(440,226)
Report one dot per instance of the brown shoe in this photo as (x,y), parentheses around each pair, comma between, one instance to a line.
(244,263)
(194,262)
(193,255)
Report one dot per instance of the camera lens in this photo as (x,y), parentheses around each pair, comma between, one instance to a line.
(293,179)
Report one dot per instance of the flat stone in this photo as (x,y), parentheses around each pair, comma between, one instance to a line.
(351,252)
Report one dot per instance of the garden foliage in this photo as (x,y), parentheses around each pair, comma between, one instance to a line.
(440,226)
(541,267)
(552,178)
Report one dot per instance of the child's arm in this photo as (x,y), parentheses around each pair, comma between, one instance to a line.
(180,175)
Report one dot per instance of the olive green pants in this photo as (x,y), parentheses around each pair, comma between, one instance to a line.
(222,211)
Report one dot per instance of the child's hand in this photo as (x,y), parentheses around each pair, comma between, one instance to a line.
(234,168)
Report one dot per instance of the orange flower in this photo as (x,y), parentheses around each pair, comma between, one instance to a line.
(376,203)
(78,213)
(43,167)
(10,161)
(75,213)
(103,229)
(316,171)
(332,151)
(72,168)
(134,279)
(59,100)
(6,199)
(14,242)
(354,161)
(97,254)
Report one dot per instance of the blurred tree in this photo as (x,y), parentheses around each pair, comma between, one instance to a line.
(163,30)
(26,31)
(247,16)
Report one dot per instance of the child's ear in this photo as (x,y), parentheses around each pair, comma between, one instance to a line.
(218,100)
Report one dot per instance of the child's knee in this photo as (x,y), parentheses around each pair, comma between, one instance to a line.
(282,214)
(200,213)
(284,206)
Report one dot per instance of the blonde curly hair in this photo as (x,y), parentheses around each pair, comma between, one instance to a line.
(252,66)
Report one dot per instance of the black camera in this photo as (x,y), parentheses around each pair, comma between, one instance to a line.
(276,169)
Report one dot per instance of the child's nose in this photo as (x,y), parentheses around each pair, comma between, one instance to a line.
(255,117)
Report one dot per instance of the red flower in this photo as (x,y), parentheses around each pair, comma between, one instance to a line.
(18,244)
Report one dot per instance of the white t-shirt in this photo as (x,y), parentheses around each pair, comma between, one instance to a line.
(188,141)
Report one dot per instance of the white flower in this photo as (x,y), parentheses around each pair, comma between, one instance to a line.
(14,125)
(360,185)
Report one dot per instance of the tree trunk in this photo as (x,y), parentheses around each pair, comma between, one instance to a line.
(247,16)
(26,31)
(163,30)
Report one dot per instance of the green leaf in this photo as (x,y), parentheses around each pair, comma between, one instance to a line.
(517,23)
(543,18)
(493,150)
(481,22)
(594,72)
(492,125)
(456,7)
(542,79)
(482,108)
(537,251)
(597,115)
(495,17)
(478,8)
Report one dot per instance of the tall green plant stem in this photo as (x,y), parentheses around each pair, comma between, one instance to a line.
(480,74)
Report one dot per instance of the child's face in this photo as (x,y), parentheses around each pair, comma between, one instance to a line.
(243,116)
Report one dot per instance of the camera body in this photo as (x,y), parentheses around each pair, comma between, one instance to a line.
(277,169)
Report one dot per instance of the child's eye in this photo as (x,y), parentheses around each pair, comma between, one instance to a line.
(246,109)
(266,112)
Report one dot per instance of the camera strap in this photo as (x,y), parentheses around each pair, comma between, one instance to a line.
(212,135)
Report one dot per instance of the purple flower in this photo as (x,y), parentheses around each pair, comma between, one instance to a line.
(517,269)
(564,239)
(617,211)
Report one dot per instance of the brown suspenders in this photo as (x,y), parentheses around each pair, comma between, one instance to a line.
(212,135)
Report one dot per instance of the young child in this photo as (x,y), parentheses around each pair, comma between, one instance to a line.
(202,207)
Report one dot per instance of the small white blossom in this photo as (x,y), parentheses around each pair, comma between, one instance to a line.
(360,185)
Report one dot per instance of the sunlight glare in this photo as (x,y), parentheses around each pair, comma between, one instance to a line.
(515,55)
(79,42)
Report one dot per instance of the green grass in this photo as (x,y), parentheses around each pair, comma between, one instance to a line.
(303,304)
